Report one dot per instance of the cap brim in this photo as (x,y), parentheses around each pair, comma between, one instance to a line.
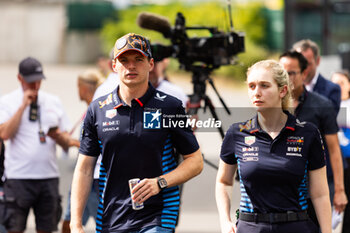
(33,77)
(135,49)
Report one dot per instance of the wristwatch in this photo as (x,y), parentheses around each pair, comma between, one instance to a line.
(162,184)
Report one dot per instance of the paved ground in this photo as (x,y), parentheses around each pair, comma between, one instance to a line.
(199,214)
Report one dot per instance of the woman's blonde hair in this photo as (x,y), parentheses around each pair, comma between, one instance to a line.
(92,77)
(280,76)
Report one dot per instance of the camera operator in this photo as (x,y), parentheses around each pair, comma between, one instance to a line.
(33,122)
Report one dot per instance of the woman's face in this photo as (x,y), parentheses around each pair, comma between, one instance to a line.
(344,84)
(263,91)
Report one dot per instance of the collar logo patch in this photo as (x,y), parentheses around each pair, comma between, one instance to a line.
(107,101)
(152,119)
(111,113)
(300,124)
(161,98)
(247,126)
(249,140)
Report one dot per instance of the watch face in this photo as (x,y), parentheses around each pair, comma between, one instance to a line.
(162,183)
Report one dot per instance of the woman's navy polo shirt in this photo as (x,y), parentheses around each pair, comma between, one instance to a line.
(134,144)
(273,172)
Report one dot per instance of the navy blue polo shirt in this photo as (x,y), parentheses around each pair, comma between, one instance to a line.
(273,172)
(134,144)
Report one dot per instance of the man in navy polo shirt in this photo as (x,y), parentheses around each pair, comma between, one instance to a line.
(314,108)
(125,127)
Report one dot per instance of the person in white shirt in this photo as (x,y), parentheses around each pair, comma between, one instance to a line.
(32,122)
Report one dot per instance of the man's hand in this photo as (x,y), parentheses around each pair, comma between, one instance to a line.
(62,138)
(340,201)
(9,129)
(145,189)
(29,96)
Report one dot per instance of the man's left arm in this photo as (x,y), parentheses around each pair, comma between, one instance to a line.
(191,166)
(59,130)
(335,157)
(63,139)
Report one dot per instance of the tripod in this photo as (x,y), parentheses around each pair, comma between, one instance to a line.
(199,78)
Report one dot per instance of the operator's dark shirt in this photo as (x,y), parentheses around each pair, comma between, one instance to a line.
(134,144)
(273,172)
(320,111)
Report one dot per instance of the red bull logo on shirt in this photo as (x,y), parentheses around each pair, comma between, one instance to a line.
(247,126)
(295,140)
(106,101)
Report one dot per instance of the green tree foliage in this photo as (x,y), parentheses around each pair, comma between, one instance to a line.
(247,18)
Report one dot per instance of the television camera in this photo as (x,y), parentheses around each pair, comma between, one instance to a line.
(200,55)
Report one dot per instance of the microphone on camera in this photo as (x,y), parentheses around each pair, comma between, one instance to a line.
(154,22)
(33,111)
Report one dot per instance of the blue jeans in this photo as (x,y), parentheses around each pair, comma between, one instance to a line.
(154,229)
(2,229)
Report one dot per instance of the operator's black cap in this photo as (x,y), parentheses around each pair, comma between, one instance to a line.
(31,70)
(132,41)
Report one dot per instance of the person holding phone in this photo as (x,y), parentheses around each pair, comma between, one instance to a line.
(33,122)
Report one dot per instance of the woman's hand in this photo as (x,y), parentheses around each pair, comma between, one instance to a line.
(228,227)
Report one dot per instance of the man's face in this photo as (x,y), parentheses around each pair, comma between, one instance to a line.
(104,65)
(35,86)
(344,84)
(154,74)
(133,68)
(82,89)
(312,64)
(296,78)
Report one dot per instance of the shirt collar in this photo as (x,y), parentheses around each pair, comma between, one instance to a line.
(311,85)
(303,96)
(252,126)
(118,102)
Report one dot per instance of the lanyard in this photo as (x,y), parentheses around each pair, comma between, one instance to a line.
(42,136)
